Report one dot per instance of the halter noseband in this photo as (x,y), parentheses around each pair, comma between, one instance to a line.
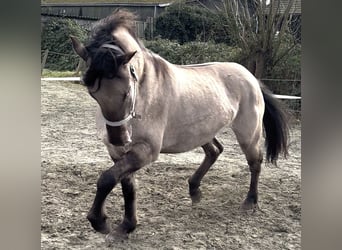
(133,86)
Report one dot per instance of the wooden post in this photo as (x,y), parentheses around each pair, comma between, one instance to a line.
(152,25)
(79,66)
(44,60)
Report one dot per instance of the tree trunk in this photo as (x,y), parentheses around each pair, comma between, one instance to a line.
(256,64)
(259,65)
(251,65)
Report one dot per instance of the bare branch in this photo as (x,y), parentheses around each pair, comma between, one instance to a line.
(282,55)
(259,29)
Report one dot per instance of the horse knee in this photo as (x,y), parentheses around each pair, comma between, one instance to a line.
(106,182)
(212,152)
(254,159)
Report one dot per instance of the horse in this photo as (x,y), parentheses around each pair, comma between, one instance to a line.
(148,106)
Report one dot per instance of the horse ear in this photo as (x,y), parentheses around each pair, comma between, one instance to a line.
(127,57)
(79,48)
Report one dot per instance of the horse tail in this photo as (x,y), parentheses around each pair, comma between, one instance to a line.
(276,127)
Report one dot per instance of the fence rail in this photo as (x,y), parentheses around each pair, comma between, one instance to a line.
(78,79)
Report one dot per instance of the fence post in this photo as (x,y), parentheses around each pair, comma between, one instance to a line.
(79,66)
(44,60)
(152,25)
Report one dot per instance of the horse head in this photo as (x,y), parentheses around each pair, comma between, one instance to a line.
(112,81)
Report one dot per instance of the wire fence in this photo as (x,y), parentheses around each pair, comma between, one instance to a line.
(49,59)
(291,88)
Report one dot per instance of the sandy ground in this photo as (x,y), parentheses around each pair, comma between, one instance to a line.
(72,157)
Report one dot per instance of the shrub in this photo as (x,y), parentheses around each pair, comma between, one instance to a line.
(193,52)
(56,37)
(185,23)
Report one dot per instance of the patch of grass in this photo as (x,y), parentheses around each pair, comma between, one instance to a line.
(52,73)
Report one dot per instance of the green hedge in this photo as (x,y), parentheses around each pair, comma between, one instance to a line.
(55,37)
(193,52)
(185,23)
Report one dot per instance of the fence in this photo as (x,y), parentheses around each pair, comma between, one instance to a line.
(74,61)
(289,90)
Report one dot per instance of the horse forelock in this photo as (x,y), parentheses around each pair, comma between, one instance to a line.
(104,61)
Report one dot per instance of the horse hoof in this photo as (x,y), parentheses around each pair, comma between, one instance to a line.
(196,196)
(99,224)
(115,236)
(249,206)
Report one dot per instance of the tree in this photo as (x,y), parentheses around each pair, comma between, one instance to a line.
(263,30)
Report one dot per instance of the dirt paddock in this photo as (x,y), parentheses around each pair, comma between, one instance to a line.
(72,157)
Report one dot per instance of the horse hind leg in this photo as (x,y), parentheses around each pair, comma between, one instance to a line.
(212,150)
(251,201)
(249,136)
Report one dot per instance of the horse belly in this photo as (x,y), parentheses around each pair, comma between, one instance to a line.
(184,137)
(200,109)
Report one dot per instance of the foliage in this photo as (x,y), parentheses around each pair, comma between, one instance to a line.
(200,52)
(185,23)
(287,62)
(287,68)
(262,32)
(193,52)
(56,38)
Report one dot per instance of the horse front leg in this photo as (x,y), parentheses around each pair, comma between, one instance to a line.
(129,192)
(96,215)
(139,156)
